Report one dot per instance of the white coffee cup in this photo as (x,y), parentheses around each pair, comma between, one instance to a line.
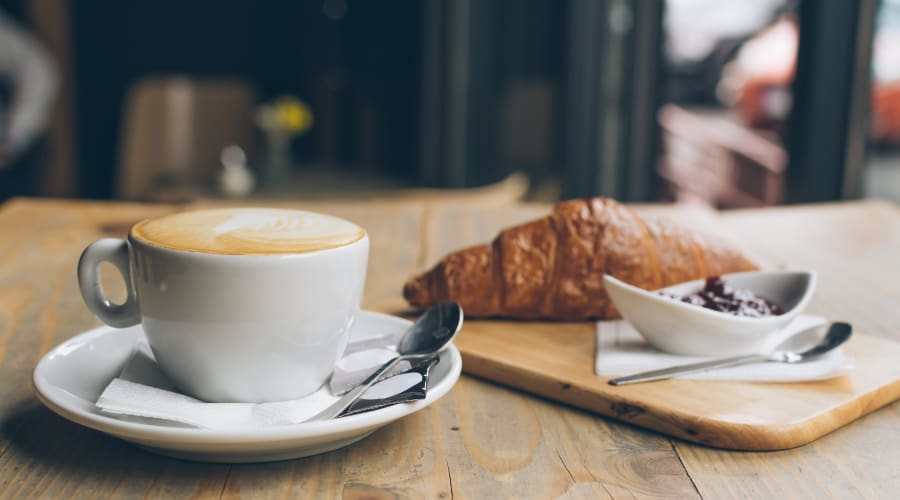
(255,322)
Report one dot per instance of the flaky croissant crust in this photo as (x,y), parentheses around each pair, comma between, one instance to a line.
(552,268)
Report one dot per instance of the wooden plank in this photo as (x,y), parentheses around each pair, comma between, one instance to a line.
(42,455)
(854,249)
(555,360)
(480,441)
(594,469)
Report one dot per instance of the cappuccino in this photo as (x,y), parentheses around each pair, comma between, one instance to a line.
(238,305)
(248,231)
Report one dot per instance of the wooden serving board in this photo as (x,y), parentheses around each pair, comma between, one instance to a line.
(555,360)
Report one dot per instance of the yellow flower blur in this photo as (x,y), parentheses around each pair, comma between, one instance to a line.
(293,115)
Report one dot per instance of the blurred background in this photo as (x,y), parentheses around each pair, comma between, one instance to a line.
(731,103)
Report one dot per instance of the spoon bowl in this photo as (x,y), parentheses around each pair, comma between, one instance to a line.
(788,352)
(431,333)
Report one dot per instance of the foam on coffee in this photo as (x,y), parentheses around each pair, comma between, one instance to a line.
(248,231)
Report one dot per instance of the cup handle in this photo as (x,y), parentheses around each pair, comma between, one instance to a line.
(114,251)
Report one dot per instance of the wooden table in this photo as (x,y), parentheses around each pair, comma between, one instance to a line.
(480,441)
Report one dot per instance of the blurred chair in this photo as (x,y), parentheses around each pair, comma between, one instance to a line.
(709,156)
(173,131)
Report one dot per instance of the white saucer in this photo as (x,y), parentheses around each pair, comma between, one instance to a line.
(70,378)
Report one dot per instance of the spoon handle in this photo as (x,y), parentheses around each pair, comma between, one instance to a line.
(701,366)
(348,399)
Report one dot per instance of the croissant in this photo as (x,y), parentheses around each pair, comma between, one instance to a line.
(553,268)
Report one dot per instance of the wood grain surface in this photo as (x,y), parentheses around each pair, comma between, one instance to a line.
(556,361)
(482,440)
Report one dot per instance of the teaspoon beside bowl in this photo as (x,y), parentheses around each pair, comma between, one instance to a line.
(787,352)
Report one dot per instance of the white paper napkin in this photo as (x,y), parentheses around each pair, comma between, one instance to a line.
(360,359)
(142,392)
(622,351)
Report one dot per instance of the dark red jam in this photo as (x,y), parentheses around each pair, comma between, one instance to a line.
(719,296)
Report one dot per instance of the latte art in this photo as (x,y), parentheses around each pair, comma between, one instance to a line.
(250,231)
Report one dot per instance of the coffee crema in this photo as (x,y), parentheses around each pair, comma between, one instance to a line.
(248,231)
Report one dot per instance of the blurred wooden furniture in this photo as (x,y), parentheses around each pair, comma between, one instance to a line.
(506,191)
(51,21)
(709,156)
(317,183)
(174,129)
(482,440)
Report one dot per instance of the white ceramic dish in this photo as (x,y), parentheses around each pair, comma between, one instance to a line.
(680,328)
(71,376)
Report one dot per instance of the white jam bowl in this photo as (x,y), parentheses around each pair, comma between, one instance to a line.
(681,328)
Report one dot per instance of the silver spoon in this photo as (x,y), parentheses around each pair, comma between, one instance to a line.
(788,351)
(428,336)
